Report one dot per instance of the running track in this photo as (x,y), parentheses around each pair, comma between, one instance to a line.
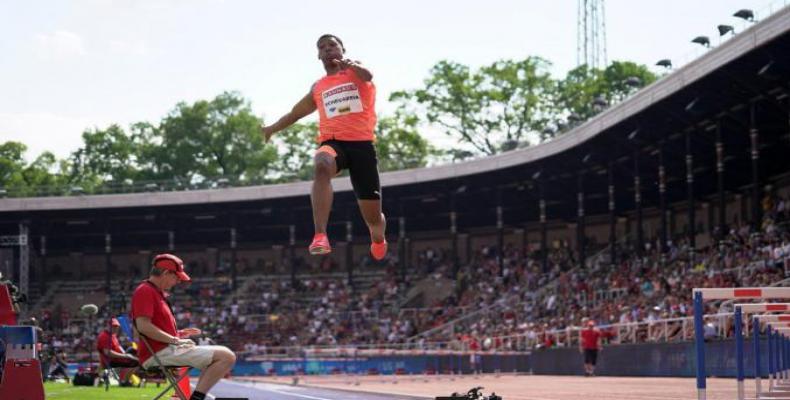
(270,391)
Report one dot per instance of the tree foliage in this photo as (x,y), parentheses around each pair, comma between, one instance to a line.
(510,104)
(502,102)
(399,144)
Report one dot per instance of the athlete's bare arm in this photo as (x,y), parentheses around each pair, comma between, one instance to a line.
(362,72)
(304,107)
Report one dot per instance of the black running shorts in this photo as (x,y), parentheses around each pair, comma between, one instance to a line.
(590,356)
(359,157)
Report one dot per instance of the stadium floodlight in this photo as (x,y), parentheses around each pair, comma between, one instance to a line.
(633,81)
(665,62)
(536,175)
(725,29)
(600,101)
(461,189)
(745,14)
(703,40)
(509,145)
(76,190)
(587,157)
(151,187)
(633,134)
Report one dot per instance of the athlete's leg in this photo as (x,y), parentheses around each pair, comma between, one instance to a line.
(322,194)
(374,218)
(367,187)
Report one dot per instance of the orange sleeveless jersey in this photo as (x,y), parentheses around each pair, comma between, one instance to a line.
(346,107)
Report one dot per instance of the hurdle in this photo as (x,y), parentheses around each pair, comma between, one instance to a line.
(783,349)
(777,330)
(700,295)
(773,320)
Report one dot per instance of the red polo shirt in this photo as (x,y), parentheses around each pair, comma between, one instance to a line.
(590,338)
(149,301)
(107,341)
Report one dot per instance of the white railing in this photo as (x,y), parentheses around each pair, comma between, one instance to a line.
(666,330)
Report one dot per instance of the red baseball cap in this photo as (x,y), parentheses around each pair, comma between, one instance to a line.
(114,322)
(172,263)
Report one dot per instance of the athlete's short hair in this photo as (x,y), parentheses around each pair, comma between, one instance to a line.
(329,35)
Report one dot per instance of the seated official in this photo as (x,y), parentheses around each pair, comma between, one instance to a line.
(111,354)
(155,322)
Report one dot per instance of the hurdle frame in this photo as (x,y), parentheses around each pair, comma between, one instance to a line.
(700,295)
(750,308)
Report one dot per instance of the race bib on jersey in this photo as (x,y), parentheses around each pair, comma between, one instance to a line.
(341,99)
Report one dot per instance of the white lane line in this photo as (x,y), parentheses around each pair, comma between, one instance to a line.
(279,391)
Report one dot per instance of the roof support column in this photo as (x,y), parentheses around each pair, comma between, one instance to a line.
(754,137)
(720,183)
(42,276)
(292,253)
(500,234)
(402,246)
(662,190)
(690,203)
(580,231)
(234,273)
(544,248)
(107,260)
(454,237)
(612,218)
(640,239)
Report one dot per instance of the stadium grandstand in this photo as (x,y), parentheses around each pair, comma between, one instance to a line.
(495,265)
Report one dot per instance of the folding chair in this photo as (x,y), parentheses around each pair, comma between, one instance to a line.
(170,372)
(106,373)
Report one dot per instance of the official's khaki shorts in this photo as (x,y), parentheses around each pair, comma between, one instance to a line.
(194,356)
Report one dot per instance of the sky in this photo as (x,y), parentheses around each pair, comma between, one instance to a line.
(67,66)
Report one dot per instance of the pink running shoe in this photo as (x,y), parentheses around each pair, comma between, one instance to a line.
(378,250)
(320,245)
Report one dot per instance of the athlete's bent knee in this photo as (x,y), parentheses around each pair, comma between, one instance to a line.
(324,165)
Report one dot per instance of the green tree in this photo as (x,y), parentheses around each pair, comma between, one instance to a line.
(212,139)
(107,154)
(585,91)
(495,107)
(399,144)
(12,163)
(151,158)
(44,171)
(44,175)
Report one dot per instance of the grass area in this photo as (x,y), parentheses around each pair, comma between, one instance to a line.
(63,391)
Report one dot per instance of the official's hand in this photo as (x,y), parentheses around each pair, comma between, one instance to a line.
(187,332)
